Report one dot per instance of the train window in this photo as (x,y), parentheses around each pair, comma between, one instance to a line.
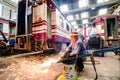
(10,14)
(1,27)
(12,32)
(67,27)
(60,21)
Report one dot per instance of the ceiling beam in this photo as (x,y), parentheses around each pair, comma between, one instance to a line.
(91,17)
(91,6)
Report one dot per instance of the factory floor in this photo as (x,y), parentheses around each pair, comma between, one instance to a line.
(44,68)
(108,69)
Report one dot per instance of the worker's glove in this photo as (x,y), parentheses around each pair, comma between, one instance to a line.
(64,54)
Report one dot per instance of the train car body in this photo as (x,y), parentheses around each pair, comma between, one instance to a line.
(4,27)
(40,25)
(108,27)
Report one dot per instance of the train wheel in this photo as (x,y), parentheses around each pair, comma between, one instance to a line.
(38,46)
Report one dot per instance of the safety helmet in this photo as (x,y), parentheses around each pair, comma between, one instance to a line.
(73,33)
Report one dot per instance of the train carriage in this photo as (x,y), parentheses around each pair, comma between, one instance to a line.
(4,27)
(41,25)
(108,27)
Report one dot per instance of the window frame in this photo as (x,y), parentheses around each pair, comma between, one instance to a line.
(1,26)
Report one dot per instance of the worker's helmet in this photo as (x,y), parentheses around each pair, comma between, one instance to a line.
(74,34)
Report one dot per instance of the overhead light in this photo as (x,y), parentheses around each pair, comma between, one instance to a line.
(77,16)
(103,11)
(70,17)
(106,0)
(84,14)
(100,1)
(93,8)
(84,21)
(83,3)
(73,23)
(64,8)
(75,26)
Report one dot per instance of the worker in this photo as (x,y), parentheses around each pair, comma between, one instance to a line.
(12,42)
(76,47)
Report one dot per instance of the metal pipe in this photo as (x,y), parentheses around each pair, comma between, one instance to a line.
(88,54)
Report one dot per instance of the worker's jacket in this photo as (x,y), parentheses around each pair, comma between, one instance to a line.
(77,47)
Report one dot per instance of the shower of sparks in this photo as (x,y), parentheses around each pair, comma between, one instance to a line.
(32,68)
(48,63)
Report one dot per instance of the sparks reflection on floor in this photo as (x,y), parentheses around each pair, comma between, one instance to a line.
(31,68)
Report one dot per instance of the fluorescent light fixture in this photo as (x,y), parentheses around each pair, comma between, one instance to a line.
(84,21)
(73,23)
(70,17)
(83,3)
(77,16)
(16,1)
(84,14)
(100,1)
(93,8)
(76,26)
(103,11)
(106,0)
(64,8)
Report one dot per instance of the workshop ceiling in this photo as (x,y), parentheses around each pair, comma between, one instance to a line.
(80,12)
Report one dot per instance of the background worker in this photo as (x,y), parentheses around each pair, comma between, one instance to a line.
(76,47)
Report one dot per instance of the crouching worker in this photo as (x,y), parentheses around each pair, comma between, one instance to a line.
(76,47)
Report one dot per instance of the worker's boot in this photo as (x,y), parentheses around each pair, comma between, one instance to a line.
(80,65)
(79,69)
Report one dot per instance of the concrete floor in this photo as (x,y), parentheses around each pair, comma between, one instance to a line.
(108,69)
(40,68)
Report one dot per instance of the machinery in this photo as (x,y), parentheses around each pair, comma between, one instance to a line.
(40,26)
(106,33)
(4,46)
(4,38)
(108,28)
(95,42)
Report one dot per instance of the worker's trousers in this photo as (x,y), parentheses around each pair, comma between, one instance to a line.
(78,62)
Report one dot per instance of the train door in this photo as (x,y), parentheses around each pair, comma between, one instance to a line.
(111,26)
(48,23)
(24,25)
(21,17)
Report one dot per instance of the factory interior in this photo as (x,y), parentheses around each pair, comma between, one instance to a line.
(59,39)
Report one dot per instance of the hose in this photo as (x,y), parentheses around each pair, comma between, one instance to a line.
(88,62)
